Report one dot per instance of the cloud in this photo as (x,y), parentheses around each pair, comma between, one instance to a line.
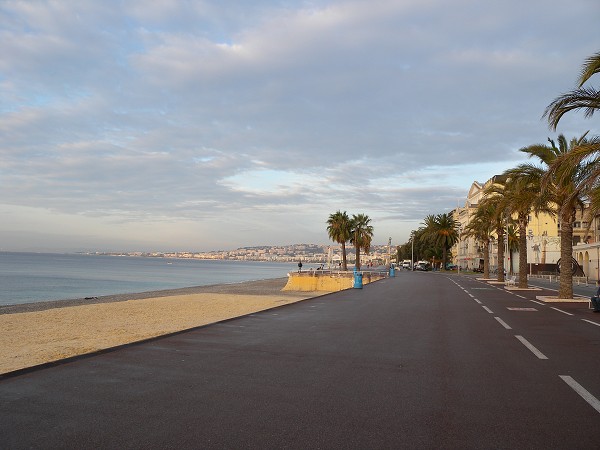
(273,113)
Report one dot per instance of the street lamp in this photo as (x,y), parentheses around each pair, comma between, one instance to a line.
(458,249)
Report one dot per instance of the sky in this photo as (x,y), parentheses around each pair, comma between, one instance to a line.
(215,124)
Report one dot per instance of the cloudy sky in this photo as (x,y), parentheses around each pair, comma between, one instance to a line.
(214,124)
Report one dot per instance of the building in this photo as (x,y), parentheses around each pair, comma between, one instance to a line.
(543,243)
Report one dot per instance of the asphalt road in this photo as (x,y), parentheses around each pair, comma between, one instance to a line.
(422,360)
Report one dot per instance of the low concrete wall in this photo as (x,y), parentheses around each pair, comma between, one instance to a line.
(327,281)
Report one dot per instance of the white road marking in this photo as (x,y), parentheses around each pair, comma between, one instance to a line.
(534,350)
(593,323)
(503,323)
(520,296)
(539,303)
(477,301)
(487,309)
(593,401)
(560,310)
(470,295)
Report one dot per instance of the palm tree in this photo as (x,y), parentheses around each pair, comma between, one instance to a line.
(361,234)
(441,231)
(481,227)
(338,229)
(580,98)
(561,186)
(524,193)
(512,239)
(497,200)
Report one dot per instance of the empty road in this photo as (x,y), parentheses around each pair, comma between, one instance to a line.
(422,360)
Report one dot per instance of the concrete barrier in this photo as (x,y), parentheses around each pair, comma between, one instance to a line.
(326,281)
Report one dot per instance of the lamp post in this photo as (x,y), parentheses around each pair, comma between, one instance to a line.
(458,256)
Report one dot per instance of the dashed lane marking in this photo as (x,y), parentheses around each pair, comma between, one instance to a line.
(487,309)
(539,303)
(593,323)
(533,350)
(593,401)
(503,323)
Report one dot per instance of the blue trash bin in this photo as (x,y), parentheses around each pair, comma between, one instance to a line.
(358,282)
(392,272)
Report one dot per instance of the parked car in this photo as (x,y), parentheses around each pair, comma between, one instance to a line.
(423,266)
(451,266)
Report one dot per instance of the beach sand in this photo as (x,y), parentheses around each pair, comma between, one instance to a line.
(38,333)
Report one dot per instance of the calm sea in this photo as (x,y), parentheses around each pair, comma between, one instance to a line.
(34,277)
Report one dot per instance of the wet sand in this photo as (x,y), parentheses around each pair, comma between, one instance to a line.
(38,333)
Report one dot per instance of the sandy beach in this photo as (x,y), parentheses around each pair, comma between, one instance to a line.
(38,333)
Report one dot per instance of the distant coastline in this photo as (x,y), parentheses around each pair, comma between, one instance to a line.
(311,253)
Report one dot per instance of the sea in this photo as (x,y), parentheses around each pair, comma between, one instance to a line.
(37,277)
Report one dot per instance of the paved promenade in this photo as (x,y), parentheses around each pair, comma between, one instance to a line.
(422,360)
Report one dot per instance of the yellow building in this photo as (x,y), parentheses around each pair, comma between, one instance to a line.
(543,243)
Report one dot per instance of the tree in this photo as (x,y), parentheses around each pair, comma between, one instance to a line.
(338,229)
(512,239)
(497,200)
(441,231)
(524,194)
(361,234)
(480,227)
(561,187)
(584,98)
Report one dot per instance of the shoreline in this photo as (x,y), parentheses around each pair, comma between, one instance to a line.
(36,334)
(260,287)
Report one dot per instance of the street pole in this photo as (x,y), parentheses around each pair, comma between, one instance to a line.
(458,248)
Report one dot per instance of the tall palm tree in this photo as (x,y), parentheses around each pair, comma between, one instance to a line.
(338,229)
(523,189)
(361,234)
(512,240)
(481,228)
(441,231)
(586,98)
(497,198)
(561,188)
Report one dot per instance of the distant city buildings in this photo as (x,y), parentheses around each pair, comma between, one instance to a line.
(308,253)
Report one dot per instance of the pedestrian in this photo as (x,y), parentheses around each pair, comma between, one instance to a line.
(596,299)
(299,266)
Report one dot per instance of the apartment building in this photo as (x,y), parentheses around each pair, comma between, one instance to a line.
(543,242)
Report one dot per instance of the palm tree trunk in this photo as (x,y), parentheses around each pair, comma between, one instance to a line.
(444,256)
(500,232)
(565,289)
(357,263)
(344,262)
(486,259)
(522,251)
